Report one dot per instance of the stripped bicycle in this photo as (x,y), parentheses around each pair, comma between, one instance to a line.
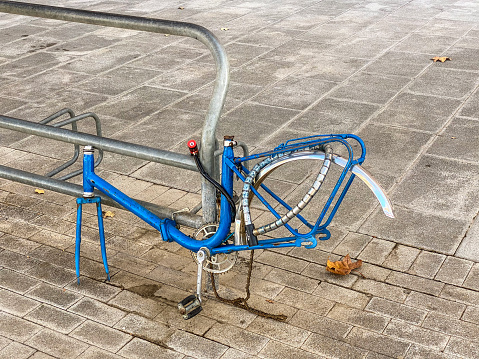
(216,245)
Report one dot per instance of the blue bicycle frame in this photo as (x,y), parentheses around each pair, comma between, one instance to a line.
(233,166)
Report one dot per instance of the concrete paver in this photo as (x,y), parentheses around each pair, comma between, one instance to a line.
(297,68)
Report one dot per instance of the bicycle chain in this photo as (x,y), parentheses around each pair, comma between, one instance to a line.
(243,302)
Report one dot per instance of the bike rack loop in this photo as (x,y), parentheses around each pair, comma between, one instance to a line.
(208,139)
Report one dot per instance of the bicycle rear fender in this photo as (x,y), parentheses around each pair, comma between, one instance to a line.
(360,172)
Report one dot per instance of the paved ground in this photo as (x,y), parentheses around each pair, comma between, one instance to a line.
(298,67)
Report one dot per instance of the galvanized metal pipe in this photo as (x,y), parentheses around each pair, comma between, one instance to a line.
(164,27)
(32,179)
(103,143)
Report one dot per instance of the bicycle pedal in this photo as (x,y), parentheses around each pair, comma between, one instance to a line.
(190,306)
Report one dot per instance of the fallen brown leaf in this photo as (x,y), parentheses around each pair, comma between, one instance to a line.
(181,8)
(108,214)
(270,301)
(441,59)
(344,266)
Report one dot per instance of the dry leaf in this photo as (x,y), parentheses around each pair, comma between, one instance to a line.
(181,8)
(344,266)
(270,301)
(441,59)
(224,29)
(39,191)
(108,214)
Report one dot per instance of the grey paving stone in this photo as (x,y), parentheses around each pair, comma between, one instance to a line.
(419,284)
(15,261)
(332,348)
(94,289)
(4,342)
(365,48)
(191,344)
(273,350)
(401,258)
(56,344)
(418,112)
(461,347)
(416,334)
(17,329)
(97,311)
(16,304)
(128,106)
(96,353)
(316,324)
(240,121)
(427,264)
(371,88)
(359,318)
(471,279)
(462,58)
(459,140)
(333,115)
(135,303)
(425,44)
(283,262)
(101,336)
(281,332)
(41,355)
(172,277)
(471,107)
(373,272)
(449,326)
(432,303)
(396,310)
(399,64)
(380,289)
(139,326)
(263,72)
(420,352)
(16,351)
(53,295)
(302,300)
(341,295)
(42,84)
(376,251)
(444,82)
(55,319)
(454,271)
(236,338)
(292,280)
(295,93)
(413,228)
(461,295)
(138,349)
(51,273)
(437,183)
(471,314)
(16,282)
(386,147)
(19,228)
(201,325)
(379,343)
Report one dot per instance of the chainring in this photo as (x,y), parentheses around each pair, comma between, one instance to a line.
(217,263)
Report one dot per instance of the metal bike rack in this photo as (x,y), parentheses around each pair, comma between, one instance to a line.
(208,139)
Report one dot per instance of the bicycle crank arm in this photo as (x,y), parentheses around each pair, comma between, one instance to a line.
(191,305)
(360,172)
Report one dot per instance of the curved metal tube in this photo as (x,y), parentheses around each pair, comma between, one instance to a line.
(360,172)
(208,139)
